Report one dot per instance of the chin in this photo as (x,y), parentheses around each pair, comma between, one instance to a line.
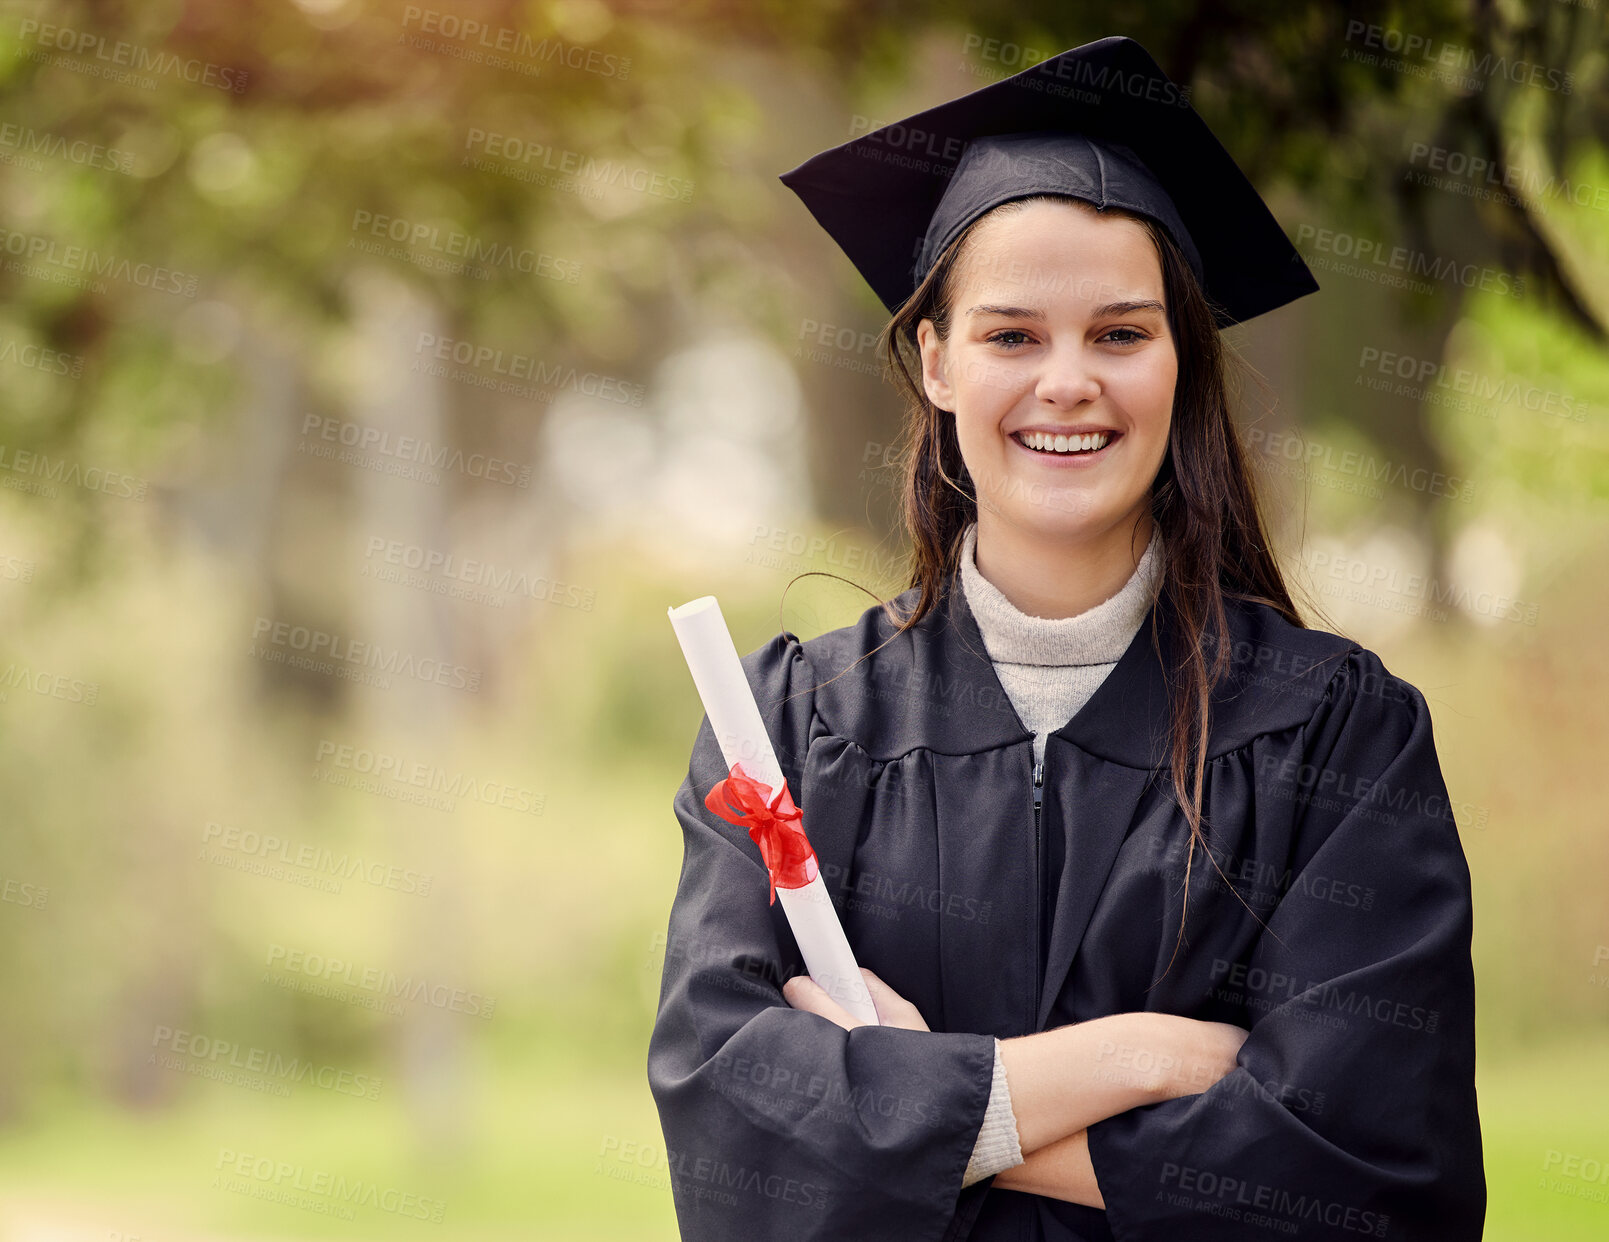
(1051,522)
(1068,514)
(1036,503)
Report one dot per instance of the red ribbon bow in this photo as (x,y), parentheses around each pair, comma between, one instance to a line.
(740,799)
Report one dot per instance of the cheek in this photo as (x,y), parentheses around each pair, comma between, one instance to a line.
(1150,401)
(977,417)
(971,435)
(986,381)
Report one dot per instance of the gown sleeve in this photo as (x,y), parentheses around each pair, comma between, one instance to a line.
(1351,1112)
(779,1123)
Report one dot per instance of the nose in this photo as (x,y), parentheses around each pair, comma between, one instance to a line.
(1067,378)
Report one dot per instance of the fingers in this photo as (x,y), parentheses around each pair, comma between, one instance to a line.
(892,1008)
(803,992)
(884,997)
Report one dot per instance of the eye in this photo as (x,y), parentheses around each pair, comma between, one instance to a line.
(1131,336)
(998,338)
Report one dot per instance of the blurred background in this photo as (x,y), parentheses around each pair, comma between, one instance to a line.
(373,376)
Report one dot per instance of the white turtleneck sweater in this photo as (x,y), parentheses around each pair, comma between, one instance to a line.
(1049,667)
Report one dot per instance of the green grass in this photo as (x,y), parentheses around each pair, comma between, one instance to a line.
(513,1154)
(523,1150)
(1554,1099)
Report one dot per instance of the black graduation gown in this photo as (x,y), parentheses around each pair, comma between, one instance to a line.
(1352,1111)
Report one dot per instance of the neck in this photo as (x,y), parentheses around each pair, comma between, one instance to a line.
(1056,578)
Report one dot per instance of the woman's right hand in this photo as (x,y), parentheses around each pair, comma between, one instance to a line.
(1175,1056)
(1068,1078)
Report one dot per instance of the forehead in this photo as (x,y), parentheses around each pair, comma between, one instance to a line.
(1058,252)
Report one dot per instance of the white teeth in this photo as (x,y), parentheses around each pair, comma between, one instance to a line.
(1066,444)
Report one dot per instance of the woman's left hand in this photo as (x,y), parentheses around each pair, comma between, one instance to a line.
(803,992)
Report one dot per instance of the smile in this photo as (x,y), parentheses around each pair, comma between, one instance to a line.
(1085,446)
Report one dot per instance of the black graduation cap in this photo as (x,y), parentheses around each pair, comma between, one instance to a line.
(1100,122)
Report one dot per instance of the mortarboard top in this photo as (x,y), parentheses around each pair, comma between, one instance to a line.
(1101,122)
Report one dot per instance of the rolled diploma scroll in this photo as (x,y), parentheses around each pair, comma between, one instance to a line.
(735,717)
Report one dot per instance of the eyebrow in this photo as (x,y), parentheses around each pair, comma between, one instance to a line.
(1101,312)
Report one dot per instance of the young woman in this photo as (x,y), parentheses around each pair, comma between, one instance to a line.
(1157,890)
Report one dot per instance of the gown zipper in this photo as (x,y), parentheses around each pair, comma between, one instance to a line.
(1039,894)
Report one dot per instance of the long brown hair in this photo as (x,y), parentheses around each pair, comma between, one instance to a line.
(1204,499)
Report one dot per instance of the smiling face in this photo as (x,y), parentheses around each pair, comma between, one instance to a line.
(1059,368)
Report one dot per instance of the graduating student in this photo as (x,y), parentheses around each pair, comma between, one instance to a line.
(1158,891)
